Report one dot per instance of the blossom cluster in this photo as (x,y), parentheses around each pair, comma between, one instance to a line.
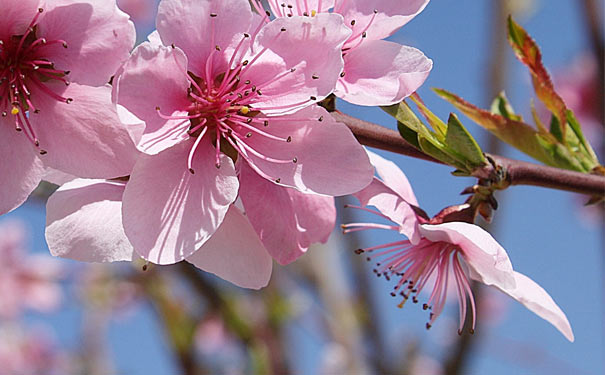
(208,142)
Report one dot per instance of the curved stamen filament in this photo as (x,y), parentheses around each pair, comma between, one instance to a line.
(247,147)
(192,151)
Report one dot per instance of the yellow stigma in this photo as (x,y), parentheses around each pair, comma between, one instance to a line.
(244,110)
(313,13)
(15,111)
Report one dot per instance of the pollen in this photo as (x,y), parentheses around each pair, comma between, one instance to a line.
(313,13)
(15,111)
(245,110)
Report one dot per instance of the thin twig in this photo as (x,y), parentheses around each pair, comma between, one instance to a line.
(518,172)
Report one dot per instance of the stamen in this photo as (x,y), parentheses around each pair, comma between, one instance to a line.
(192,151)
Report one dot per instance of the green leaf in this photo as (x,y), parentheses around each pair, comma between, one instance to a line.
(555,128)
(461,141)
(438,153)
(435,122)
(501,106)
(577,130)
(404,114)
(408,134)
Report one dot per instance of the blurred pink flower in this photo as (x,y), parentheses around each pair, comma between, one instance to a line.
(578,84)
(29,352)
(463,250)
(26,281)
(221,94)
(56,59)
(376,71)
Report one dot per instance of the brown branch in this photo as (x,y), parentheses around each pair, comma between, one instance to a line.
(518,172)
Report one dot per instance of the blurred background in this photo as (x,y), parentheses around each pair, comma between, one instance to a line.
(327,313)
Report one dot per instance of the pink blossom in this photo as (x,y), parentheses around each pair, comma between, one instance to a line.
(376,72)
(84,223)
(56,58)
(30,351)
(26,281)
(221,92)
(439,251)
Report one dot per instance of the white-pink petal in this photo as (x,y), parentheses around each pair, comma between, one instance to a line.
(235,253)
(391,204)
(390,15)
(85,137)
(322,157)
(379,72)
(286,220)
(305,52)
(198,26)
(537,300)
(20,168)
(84,222)
(299,8)
(393,177)
(168,212)
(487,260)
(155,77)
(98,34)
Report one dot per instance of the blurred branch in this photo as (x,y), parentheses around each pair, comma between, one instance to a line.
(179,327)
(368,323)
(518,172)
(262,340)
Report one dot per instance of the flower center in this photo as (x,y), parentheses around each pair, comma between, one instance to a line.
(24,67)
(229,109)
(434,263)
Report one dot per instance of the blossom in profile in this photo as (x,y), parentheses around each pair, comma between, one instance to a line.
(56,59)
(26,281)
(225,95)
(439,253)
(376,71)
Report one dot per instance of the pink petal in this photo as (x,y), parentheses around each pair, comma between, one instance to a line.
(168,212)
(188,25)
(155,76)
(85,137)
(382,73)
(20,168)
(329,160)
(312,46)
(390,17)
(299,8)
(57,177)
(134,125)
(17,16)
(391,204)
(235,253)
(84,222)
(99,38)
(487,260)
(286,220)
(316,214)
(537,300)
(393,177)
